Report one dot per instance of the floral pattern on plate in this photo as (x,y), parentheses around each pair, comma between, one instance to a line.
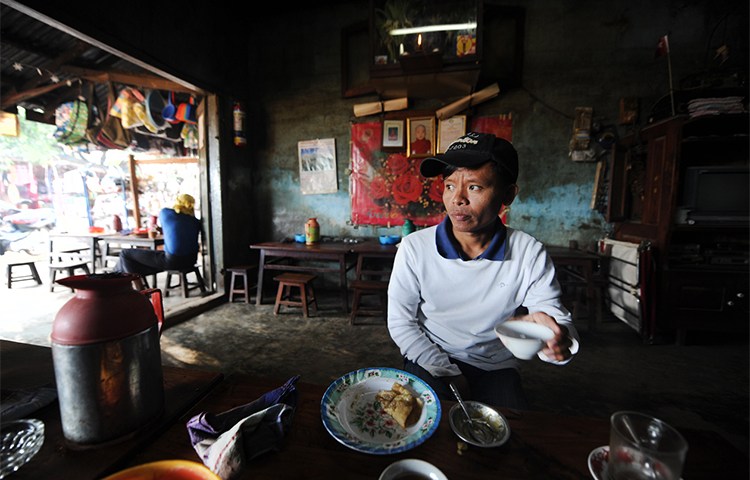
(598,459)
(353,416)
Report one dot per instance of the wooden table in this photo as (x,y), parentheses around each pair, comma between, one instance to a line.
(374,248)
(581,265)
(89,239)
(24,366)
(280,255)
(542,445)
(130,241)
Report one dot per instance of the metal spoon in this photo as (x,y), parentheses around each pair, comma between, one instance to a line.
(479,430)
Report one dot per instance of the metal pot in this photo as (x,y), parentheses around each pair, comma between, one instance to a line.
(107,359)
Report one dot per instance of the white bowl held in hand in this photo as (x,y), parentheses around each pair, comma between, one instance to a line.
(412,468)
(523,339)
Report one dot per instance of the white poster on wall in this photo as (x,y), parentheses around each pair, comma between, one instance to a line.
(317,166)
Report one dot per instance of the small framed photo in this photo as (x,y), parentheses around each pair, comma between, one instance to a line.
(420,136)
(393,133)
(449,130)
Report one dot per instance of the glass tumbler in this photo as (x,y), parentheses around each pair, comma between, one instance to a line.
(642,447)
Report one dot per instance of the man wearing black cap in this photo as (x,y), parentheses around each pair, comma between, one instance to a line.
(452,283)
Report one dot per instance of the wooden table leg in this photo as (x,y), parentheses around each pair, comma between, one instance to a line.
(259,288)
(92,246)
(343,285)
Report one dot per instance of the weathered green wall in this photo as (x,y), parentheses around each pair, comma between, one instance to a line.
(285,64)
(576,54)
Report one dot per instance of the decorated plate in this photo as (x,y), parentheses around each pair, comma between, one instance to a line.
(598,460)
(353,416)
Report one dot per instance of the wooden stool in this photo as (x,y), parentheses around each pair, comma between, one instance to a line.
(33,274)
(371,279)
(185,285)
(241,273)
(303,281)
(68,266)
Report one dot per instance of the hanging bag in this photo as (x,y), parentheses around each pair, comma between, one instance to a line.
(186,112)
(112,134)
(72,121)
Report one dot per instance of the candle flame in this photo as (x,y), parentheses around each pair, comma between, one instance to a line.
(419,40)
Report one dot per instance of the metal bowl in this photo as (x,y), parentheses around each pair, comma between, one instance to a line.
(480,411)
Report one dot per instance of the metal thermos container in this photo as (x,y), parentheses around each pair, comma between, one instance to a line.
(107,359)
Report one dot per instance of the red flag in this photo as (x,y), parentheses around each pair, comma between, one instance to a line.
(662,48)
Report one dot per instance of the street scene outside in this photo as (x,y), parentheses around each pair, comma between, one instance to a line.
(46,186)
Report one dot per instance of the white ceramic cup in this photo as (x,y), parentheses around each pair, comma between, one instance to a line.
(412,468)
(523,339)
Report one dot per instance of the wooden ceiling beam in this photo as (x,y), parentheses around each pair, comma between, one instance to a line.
(16,98)
(127,78)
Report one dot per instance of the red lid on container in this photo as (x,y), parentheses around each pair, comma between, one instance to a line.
(105,307)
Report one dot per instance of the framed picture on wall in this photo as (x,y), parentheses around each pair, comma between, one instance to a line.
(449,130)
(393,133)
(421,136)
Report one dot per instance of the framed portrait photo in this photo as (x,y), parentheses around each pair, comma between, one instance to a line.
(420,136)
(449,130)
(393,133)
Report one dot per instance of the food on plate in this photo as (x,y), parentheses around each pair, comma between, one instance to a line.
(399,403)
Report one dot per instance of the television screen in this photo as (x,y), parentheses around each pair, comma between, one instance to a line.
(720,191)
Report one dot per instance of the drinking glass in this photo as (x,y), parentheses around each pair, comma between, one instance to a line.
(642,447)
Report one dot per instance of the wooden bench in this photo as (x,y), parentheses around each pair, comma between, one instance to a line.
(32,275)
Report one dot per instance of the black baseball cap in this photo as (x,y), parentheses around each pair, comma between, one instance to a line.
(471,150)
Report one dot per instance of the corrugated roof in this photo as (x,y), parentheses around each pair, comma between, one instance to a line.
(35,57)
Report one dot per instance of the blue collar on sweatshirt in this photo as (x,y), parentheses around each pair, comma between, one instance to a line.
(448,247)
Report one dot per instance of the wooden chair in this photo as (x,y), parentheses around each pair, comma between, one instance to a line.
(285,295)
(241,272)
(184,284)
(371,279)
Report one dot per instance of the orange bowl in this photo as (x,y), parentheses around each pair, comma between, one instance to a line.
(166,470)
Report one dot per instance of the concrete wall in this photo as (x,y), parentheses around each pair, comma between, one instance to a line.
(286,66)
(577,53)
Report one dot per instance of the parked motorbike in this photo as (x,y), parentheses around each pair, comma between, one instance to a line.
(31,219)
(26,231)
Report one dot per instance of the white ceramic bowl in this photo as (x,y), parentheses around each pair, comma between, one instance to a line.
(414,468)
(523,339)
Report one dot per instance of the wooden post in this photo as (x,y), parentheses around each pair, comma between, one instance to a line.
(134,190)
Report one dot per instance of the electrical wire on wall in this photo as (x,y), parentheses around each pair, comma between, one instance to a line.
(547,105)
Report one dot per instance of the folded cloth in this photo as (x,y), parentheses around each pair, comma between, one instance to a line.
(225,442)
(17,404)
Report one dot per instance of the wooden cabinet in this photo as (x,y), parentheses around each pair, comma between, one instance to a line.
(699,243)
(450,48)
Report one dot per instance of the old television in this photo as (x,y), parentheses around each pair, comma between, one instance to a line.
(716,194)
